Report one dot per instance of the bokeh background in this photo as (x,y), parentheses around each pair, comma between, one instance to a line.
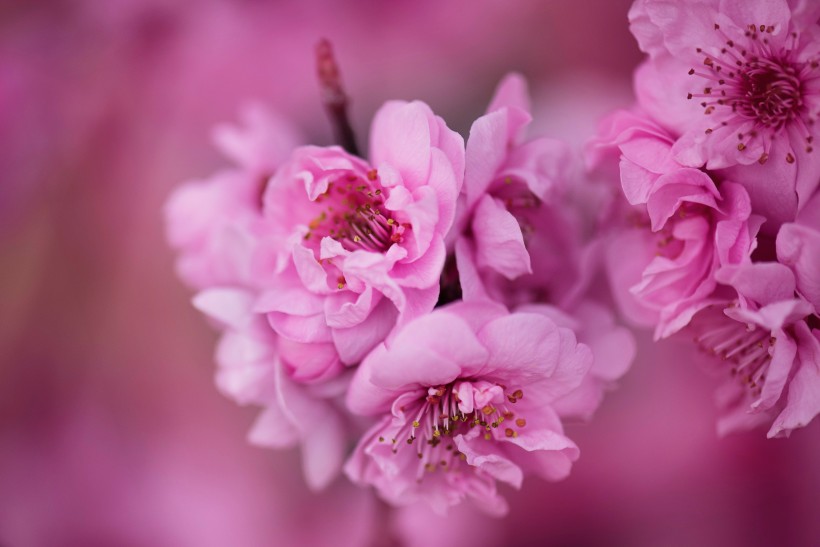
(111,431)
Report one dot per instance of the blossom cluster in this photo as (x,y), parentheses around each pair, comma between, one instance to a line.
(425,320)
(716,198)
(427,305)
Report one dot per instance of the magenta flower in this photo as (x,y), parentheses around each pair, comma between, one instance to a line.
(506,182)
(769,344)
(464,397)
(352,247)
(214,224)
(739,82)
(681,230)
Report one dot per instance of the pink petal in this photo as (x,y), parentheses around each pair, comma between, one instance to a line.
(798,248)
(487,457)
(400,137)
(486,151)
(803,402)
(511,92)
(472,287)
(498,239)
(420,355)
(355,342)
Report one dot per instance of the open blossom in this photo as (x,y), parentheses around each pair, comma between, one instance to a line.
(353,247)
(739,82)
(508,184)
(214,224)
(768,345)
(683,227)
(252,371)
(464,398)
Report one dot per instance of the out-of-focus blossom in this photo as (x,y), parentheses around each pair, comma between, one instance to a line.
(215,224)
(465,396)
(353,247)
(752,68)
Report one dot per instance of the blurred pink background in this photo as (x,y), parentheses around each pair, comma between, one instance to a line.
(111,430)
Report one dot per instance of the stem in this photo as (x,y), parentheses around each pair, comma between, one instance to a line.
(333,96)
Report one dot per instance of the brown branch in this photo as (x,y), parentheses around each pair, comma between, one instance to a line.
(333,96)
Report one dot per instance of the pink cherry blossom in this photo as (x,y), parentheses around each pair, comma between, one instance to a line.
(464,397)
(680,229)
(753,69)
(352,247)
(213,223)
(507,185)
(768,345)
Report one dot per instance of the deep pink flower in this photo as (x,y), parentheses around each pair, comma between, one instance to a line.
(681,229)
(352,247)
(214,224)
(753,69)
(253,371)
(507,183)
(768,343)
(465,397)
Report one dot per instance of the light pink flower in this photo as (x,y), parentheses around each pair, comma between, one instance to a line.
(681,230)
(252,370)
(214,223)
(354,247)
(465,397)
(769,343)
(508,180)
(753,69)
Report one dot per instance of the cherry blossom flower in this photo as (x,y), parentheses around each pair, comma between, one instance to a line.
(465,395)
(508,184)
(681,228)
(753,70)
(352,247)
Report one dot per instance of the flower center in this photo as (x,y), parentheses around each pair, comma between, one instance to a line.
(446,411)
(519,201)
(747,348)
(352,212)
(769,91)
(756,82)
